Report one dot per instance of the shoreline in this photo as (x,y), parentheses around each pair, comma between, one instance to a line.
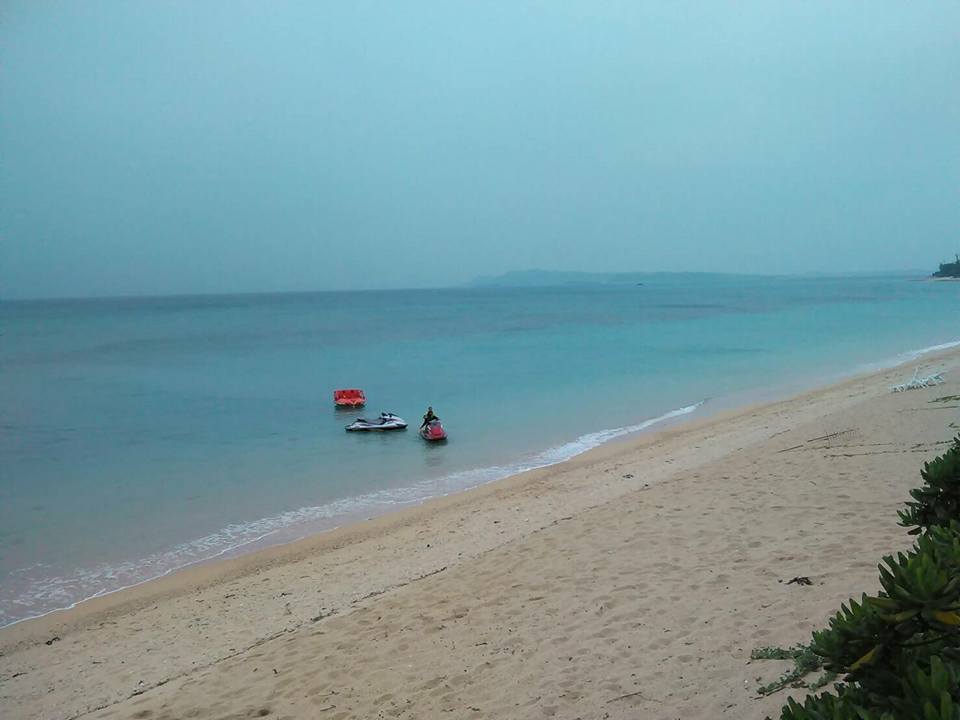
(201,571)
(165,640)
(687,417)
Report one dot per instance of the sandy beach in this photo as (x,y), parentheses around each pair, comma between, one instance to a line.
(631,582)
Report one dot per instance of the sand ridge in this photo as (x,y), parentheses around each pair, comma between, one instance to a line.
(631,583)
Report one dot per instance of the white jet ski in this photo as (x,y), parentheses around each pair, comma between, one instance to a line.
(386,421)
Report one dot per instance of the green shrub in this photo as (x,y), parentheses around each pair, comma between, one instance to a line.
(937,502)
(920,694)
(899,651)
(821,707)
(877,640)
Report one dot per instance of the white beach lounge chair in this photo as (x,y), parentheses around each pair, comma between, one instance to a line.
(917,382)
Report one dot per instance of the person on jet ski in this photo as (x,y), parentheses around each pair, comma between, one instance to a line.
(428,418)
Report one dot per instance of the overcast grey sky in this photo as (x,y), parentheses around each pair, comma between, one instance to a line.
(166,147)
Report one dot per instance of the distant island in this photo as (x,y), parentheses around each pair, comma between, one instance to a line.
(949,270)
(553,278)
(562,278)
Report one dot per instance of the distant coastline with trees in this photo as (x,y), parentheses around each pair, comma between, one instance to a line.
(949,270)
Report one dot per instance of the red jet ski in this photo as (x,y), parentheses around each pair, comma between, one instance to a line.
(433,431)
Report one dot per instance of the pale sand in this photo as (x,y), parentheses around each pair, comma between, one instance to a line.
(632,582)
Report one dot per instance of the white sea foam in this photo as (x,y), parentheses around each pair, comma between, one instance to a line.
(914,354)
(31,591)
(908,356)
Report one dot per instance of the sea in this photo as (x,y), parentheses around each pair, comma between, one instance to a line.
(141,435)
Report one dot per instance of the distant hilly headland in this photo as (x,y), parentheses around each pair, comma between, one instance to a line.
(949,270)
(560,278)
(552,278)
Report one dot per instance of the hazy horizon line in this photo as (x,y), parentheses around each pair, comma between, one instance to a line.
(459,286)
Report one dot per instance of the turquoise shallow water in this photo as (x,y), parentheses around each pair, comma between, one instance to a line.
(139,435)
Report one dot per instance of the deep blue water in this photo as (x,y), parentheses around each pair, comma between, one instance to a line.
(137,435)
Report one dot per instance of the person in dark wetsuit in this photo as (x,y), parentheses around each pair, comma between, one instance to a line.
(428,418)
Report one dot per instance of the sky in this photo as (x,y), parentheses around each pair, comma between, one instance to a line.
(229,146)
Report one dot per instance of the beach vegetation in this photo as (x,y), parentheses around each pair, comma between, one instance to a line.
(922,694)
(949,269)
(937,501)
(898,651)
(805,661)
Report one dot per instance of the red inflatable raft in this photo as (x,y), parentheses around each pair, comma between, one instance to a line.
(349,398)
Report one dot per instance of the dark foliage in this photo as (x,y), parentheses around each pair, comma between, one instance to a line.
(937,501)
(949,269)
(899,651)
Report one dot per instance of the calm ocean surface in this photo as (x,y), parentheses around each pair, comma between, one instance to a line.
(140,435)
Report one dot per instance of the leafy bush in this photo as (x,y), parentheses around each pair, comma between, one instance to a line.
(820,707)
(888,645)
(937,502)
(900,649)
(918,607)
(922,694)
